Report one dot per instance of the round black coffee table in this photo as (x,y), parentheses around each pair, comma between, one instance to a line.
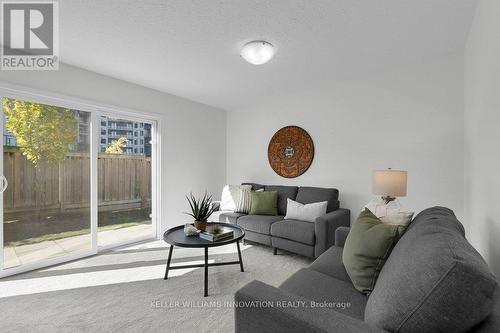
(176,237)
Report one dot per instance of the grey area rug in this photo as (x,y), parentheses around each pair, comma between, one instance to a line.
(175,305)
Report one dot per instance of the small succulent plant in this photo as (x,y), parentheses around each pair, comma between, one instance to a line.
(201,208)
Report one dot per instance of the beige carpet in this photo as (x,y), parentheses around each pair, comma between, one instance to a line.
(145,303)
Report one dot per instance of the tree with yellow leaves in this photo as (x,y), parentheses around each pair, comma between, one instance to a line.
(116,147)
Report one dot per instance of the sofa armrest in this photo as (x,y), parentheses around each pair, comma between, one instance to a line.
(215,204)
(265,309)
(341,235)
(325,226)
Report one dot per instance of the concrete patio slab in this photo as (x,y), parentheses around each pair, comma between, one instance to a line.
(10,257)
(20,255)
(77,243)
(35,252)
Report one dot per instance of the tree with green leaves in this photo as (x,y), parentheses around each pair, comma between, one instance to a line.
(116,147)
(43,132)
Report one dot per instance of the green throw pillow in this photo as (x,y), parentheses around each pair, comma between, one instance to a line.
(367,247)
(264,203)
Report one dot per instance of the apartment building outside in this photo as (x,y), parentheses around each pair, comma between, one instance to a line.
(138,134)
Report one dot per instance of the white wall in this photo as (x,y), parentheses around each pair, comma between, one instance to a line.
(193,136)
(482,135)
(409,118)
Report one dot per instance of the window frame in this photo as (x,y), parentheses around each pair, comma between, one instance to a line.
(96,110)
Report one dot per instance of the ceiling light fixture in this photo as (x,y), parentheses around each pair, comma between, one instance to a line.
(257,52)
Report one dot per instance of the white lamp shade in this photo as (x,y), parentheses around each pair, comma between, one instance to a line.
(389,183)
(257,52)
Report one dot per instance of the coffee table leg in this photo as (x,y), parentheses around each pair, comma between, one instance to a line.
(239,256)
(168,261)
(206,272)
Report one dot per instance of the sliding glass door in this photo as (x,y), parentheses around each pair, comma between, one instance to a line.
(46,165)
(76,178)
(124,180)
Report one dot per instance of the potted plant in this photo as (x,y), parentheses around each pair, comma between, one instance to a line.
(201,209)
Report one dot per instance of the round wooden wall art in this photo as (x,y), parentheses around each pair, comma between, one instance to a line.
(290,151)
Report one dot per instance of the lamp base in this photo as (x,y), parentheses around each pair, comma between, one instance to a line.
(388,199)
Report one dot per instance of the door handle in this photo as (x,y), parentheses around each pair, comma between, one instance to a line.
(5,183)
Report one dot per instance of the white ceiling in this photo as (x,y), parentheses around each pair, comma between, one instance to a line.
(190,48)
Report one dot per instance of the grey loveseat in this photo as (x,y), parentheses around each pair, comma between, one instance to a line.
(305,238)
(433,281)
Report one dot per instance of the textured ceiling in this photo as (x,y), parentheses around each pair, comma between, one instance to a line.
(191,48)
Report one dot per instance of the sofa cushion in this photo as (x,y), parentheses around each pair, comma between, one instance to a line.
(320,288)
(264,203)
(305,212)
(306,195)
(366,249)
(330,263)
(284,192)
(258,223)
(299,231)
(434,280)
(231,196)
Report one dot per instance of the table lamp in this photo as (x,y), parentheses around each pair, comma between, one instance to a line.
(389,184)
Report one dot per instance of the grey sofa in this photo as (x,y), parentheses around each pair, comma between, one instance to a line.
(433,281)
(305,238)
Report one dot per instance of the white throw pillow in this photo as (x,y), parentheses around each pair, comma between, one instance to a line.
(231,195)
(227,200)
(244,199)
(391,213)
(308,212)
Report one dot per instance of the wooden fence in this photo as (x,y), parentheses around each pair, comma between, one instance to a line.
(124,182)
